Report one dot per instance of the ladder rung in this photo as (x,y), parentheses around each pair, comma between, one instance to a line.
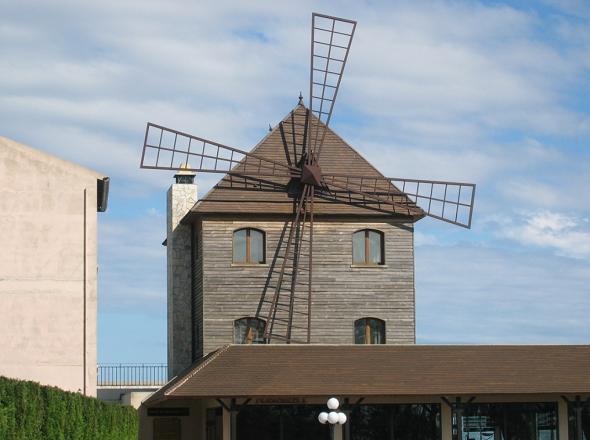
(280,320)
(285,307)
(283,288)
(279,271)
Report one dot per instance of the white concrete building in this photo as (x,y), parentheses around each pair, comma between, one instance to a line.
(48,267)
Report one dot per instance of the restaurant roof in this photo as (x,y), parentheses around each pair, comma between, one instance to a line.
(382,370)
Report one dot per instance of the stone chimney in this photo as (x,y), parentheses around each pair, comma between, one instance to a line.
(181,197)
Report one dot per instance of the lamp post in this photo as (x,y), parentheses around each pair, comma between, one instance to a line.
(334,417)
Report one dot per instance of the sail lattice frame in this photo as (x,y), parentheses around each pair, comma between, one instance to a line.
(331,38)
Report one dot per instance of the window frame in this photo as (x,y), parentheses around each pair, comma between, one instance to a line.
(367,248)
(248,261)
(367,330)
(250,333)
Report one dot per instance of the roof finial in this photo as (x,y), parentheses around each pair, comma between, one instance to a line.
(300,98)
(269,127)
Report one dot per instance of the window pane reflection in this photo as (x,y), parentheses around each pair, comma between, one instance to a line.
(240,246)
(358,247)
(256,246)
(249,331)
(583,420)
(499,421)
(248,246)
(399,422)
(369,331)
(367,247)
(374,247)
(287,422)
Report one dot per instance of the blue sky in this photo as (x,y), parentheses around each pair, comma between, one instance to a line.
(496,93)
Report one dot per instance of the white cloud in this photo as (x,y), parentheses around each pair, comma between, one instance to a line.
(567,235)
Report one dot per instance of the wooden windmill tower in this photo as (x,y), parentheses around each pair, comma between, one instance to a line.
(311,176)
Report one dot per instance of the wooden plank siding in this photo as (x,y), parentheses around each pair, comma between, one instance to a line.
(342,293)
(197,292)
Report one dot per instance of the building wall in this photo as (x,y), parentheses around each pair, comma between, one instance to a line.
(48,269)
(341,293)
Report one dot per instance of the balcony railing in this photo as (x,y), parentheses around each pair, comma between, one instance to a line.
(132,375)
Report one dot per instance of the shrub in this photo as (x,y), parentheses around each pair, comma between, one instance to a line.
(29,411)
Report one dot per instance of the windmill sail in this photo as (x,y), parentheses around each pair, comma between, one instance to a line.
(451,202)
(164,148)
(331,38)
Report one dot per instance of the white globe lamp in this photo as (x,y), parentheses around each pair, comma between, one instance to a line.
(333,417)
(333,403)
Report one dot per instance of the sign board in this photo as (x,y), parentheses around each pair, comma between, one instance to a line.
(167,412)
(280,400)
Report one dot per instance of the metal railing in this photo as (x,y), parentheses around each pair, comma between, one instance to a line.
(132,375)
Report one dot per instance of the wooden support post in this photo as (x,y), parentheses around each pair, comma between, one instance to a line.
(226,425)
(446,421)
(562,418)
(346,433)
(338,432)
(234,424)
(579,430)
(577,406)
(459,411)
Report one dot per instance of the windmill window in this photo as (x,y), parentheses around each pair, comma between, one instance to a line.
(369,331)
(249,246)
(249,331)
(367,248)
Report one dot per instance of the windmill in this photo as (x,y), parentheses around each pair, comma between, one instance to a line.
(286,302)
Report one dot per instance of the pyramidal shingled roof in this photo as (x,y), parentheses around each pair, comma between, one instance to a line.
(232,196)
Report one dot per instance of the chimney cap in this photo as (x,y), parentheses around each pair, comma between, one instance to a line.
(184,174)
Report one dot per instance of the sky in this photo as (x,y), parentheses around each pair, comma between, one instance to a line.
(491,92)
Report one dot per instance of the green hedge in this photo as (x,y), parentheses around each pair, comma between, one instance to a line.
(29,411)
